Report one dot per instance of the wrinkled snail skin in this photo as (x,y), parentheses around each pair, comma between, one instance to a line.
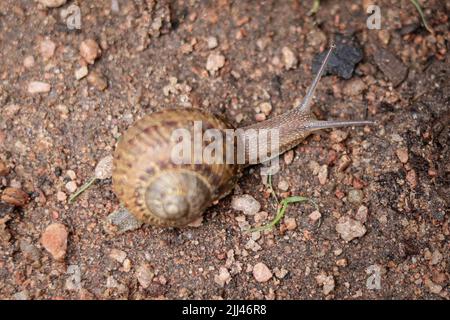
(159,192)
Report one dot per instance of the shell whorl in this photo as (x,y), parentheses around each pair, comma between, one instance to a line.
(155,189)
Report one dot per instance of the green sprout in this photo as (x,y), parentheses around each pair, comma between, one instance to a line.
(281,211)
(82,189)
(422,15)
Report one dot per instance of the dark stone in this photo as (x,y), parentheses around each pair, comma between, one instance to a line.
(391,66)
(5,209)
(343,60)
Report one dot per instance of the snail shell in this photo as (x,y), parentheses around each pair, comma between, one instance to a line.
(155,189)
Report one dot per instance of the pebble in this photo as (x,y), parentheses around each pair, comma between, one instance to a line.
(343,59)
(259,117)
(290,223)
(411,177)
(71,174)
(123,220)
(283,185)
(392,67)
(82,72)
(212,42)
(97,80)
(71,186)
(341,262)
(354,87)
(323,174)
(90,50)
(104,168)
(280,273)
(355,196)
(350,229)
(223,277)
(288,157)
(344,162)
(252,245)
(433,287)
(315,215)
(436,257)
(261,216)
(337,136)
(327,282)
(22,295)
(38,87)
(144,275)
(261,272)
(118,255)
(126,266)
(361,214)
(15,197)
(52,3)
(28,62)
(29,251)
(402,154)
(289,58)
(73,282)
(54,240)
(245,203)
(47,49)
(215,62)
(4,170)
(265,108)
(61,196)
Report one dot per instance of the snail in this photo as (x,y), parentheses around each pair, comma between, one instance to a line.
(161,192)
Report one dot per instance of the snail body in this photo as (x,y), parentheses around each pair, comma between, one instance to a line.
(162,192)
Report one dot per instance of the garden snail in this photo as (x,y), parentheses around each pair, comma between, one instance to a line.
(160,192)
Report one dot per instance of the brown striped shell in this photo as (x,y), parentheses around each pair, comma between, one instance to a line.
(155,189)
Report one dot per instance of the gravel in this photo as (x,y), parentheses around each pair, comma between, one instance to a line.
(54,240)
(245,203)
(350,229)
(123,221)
(261,272)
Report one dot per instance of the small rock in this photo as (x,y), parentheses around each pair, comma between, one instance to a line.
(73,282)
(283,185)
(323,174)
(126,265)
(354,87)
(29,251)
(280,273)
(82,72)
(288,157)
(436,257)
(259,117)
(341,262)
(118,255)
(265,108)
(28,62)
(411,177)
(52,3)
(252,245)
(433,287)
(215,62)
(223,277)
(90,50)
(54,240)
(22,295)
(361,214)
(103,170)
(71,174)
(290,223)
(261,272)
(4,170)
(344,162)
(47,49)
(15,197)
(97,80)
(327,282)
(315,215)
(337,136)
(71,186)
(245,203)
(384,36)
(261,216)
(38,87)
(61,196)
(355,196)
(350,229)
(402,154)
(144,275)
(123,220)
(392,67)
(212,42)
(343,59)
(289,58)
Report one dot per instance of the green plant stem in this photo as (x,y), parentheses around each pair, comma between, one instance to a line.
(82,189)
(422,15)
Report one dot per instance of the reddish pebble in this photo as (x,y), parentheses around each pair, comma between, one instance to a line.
(54,240)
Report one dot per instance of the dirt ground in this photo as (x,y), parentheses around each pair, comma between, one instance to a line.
(388,182)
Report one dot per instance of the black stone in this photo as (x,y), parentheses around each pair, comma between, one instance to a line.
(343,59)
